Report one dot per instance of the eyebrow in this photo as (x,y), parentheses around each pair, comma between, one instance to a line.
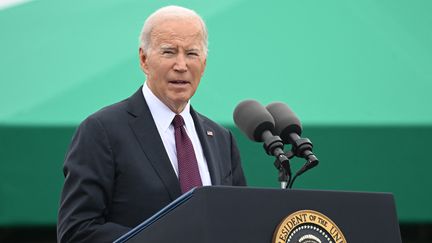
(193,49)
(172,48)
(167,47)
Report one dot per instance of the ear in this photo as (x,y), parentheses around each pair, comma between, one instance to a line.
(143,60)
(205,65)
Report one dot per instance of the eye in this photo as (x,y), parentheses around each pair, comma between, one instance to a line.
(193,54)
(167,52)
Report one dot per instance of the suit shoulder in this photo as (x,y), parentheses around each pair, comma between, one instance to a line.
(111,113)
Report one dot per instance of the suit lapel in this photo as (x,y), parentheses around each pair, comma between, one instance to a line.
(146,132)
(209,146)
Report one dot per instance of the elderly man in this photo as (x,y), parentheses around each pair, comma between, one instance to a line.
(130,159)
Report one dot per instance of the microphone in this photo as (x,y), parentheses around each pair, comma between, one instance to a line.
(257,124)
(253,120)
(289,128)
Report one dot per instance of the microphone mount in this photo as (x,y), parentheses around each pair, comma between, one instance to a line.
(273,145)
(302,148)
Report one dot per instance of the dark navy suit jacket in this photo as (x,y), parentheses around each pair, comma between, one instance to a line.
(117,172)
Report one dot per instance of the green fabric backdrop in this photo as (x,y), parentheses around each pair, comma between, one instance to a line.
(357,73)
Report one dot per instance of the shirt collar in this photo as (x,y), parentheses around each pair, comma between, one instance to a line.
(162,115)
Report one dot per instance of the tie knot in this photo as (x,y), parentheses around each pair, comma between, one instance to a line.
(178,121)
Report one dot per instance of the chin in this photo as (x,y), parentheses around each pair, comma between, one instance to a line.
(181,97)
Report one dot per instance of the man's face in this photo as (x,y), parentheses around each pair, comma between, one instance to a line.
(175,61)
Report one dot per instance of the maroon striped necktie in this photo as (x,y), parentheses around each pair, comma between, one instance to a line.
(188,171)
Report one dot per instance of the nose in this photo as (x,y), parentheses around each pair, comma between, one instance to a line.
(180,64)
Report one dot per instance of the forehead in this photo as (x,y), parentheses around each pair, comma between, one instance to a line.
(185,32)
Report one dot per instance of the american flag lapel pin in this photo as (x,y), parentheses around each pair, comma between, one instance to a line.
(210,133)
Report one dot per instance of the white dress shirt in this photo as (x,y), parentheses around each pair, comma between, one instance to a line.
(163,117)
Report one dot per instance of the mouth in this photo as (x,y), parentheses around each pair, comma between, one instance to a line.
(179,82)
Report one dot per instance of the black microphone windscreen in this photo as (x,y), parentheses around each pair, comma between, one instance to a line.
(253,119)
(286,121)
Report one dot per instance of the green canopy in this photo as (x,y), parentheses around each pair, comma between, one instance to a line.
(357,73)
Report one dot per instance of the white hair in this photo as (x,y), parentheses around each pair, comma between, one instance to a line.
(169,12)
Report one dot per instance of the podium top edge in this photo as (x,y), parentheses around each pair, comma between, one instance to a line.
(247,188)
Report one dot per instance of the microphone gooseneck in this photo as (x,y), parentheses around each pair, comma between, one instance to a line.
(257,124)
(289,128)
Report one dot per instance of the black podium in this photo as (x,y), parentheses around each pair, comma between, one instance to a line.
(252,215)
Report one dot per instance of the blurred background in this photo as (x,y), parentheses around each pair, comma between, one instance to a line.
(357,73)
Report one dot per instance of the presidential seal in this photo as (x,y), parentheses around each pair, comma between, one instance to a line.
(307,226)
